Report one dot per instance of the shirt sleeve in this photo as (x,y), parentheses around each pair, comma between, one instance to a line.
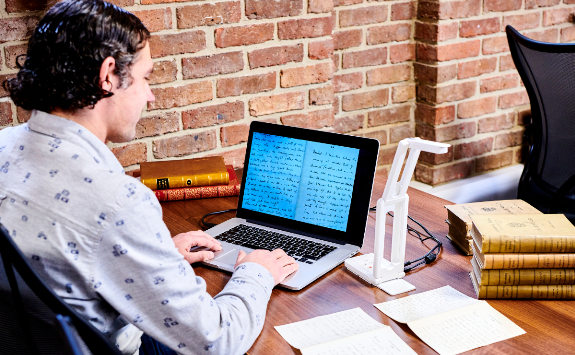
(140,273)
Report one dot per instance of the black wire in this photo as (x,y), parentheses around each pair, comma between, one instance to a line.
(210,225)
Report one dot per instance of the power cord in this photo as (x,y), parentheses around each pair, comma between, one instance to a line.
(431,255)
(210,225)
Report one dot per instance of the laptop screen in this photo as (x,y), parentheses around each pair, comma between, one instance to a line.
(312,182)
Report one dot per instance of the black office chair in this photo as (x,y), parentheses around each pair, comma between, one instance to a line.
(548,72)
(29,309)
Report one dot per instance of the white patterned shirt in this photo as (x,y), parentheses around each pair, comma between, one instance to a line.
(97,237)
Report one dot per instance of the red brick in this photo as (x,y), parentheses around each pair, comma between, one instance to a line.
(157,125)
(402,52)
(506,63)
(346,2)
(479,27)
(523,117)
(368,57)
(346,82)
(446,133)
(3,78)
(402,93)
(499,83)
(472,149)
(476,67)
(179,43)
(23,115)
(567,35)
(510,139)
(5,113)
(335,60)
(501,5)
(347,39)
(403,11)
(388,75)
(305,28)
(155,20)
(335,105)
(321,96)
(448,9)
(236,134)
(477,107)
(164,72)
(234,157)
(522,22)
(314,120)
(557,16)
(12,52)
(532,4)
(436,32)
(17,28)
(434,115)
(244,35)
(348,124)
(495,45)
(390,33)
(209,14)
(212,115)
(312,74)
(265,105)
(246,84)
(185,145)
(321,49)
(436,159)
(268,57)
(434,74)
(363,100)
(494,161)
(398,133)
(25,5)
(434,176)
(320,6)
(380,135)
(512,100)
(548,35)
(181,95)
(389,115)
(385,157)
(445,52)
(259,9)
(120,3)
(131,154)
(224,63)
(363,16)
(454,92)
(497,123)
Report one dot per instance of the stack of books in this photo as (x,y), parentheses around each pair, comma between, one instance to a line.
(190,178)
(523,256)
(460,223)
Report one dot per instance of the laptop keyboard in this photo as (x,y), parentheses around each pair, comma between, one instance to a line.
(255,238)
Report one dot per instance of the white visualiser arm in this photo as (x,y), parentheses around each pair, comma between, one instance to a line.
(373,267)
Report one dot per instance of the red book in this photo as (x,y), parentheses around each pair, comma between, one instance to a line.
(192,193)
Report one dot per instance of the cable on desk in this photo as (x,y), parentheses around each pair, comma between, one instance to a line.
(430,256)
(210,225)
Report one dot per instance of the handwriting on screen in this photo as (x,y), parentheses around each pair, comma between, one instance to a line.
(307,181)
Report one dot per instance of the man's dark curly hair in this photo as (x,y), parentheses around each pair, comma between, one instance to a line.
(66,51)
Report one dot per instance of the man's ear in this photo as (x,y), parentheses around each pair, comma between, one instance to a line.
(107,77)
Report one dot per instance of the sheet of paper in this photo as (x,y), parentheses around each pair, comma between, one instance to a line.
(324,329)
(425,304)
(465,328)
(382,341)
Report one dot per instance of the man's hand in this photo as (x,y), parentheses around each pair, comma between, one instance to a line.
(278,263)
(185,241)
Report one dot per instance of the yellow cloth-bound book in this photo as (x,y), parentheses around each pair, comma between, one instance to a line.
(172,174)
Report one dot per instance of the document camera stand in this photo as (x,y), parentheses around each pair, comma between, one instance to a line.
(373,268)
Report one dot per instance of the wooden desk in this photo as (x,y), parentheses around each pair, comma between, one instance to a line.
(550,325)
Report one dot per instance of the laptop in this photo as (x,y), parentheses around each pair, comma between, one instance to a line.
(304,191)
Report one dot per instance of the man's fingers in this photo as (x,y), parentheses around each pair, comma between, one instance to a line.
(290,268)
(198,256)
(241,255)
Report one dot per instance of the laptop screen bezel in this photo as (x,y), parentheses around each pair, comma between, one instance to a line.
(359,208)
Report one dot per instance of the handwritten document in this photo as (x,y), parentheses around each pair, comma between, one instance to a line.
(450,322)
(301,180)
(343,333)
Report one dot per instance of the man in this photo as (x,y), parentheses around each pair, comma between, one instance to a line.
(95,234)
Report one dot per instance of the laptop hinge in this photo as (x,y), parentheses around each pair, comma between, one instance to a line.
(295,231)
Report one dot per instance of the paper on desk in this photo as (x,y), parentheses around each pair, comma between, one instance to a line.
(465,329)
(425,304)
(382,341)
(327,328)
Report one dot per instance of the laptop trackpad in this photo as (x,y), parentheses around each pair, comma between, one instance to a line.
(229,257)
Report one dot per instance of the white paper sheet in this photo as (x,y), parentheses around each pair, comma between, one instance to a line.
(324,329)
(382,341)
(425,304)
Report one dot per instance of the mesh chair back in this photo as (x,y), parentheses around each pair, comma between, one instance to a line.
(28,309)
(548,72)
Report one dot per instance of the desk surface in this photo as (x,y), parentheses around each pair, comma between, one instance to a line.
(550,325)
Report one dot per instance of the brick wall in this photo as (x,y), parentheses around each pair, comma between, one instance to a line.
(388,70)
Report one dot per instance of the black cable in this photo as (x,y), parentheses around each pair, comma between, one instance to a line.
(210,225)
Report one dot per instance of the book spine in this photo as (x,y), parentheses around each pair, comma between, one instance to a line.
(520,277)
(174,182)
(528,261)
(566,292)
(192,193)
(527,244)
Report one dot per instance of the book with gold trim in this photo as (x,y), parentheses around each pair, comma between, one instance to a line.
(460,240)
(191,193)
(171,174)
